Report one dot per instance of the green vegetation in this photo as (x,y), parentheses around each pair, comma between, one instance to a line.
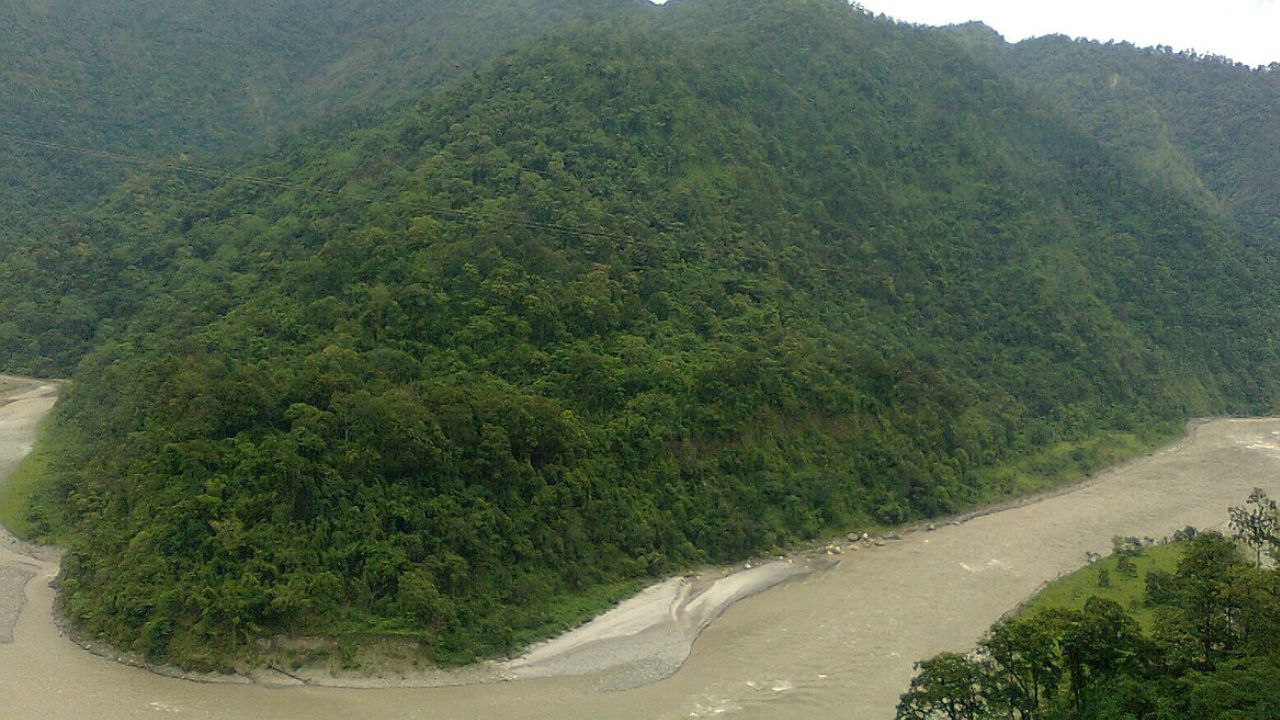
(675,287)
(210,79)
(1201,641)
(1113,579)
(97,92)
(1067,461)
(1201,124)
(21,512)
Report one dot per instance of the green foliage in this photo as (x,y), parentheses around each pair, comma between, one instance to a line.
(1257,524)
(1054,464)
(1210,654)
(611,305)
(98,92)
(947,686)
(1126,589)
(22,512)
(163,80)
(1200,124)
(1242,689)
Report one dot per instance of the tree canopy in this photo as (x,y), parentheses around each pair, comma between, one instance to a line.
(1211,653)
(671,287)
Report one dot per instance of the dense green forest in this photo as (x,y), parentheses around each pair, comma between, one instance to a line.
(209,81)
(1210,649)
(1204,125)
(95,92)
(667,288)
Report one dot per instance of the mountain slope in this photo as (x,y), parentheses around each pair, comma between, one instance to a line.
(664,290)
(1203,124)
(96,91)
(159,79)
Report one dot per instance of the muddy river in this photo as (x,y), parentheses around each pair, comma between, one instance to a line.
(838,643)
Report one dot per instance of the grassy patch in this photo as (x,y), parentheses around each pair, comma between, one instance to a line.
(1127,588)
(18,492)
(1064,462)
(570,611)
(1055,466)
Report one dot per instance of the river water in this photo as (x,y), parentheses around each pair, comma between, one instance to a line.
(837,644)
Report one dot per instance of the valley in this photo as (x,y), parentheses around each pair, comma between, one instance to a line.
(838,643)
(404,337)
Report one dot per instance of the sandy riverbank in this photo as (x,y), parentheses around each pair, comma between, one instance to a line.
(648,637)
(641,640)
(23,404)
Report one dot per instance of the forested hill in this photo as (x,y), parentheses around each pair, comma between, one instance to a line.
(94,91)
(208,78)
(1203,124)
(671,288)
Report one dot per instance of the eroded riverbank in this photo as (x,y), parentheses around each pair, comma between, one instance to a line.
(834,644)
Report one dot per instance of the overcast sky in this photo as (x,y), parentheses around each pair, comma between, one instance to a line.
(1245,30)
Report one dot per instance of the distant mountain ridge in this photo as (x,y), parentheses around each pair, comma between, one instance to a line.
(215,79)
(1203,124)
(671,287)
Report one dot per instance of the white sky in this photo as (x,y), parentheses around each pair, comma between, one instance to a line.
(1245,30)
